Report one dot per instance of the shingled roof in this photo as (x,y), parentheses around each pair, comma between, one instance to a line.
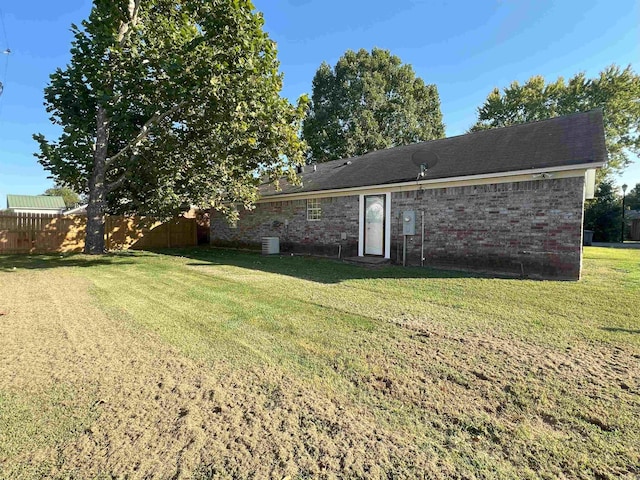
(576,139)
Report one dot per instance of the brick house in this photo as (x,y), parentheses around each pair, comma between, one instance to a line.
(508,200)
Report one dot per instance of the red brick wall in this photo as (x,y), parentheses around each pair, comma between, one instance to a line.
(531,228)
(288,220)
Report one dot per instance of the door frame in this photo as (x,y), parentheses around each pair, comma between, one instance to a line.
(386,240)
(384,224)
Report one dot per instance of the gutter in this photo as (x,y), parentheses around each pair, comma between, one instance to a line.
(466,180)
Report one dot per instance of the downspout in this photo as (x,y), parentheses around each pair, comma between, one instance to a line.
(398,243)
(404,250)
(422,240)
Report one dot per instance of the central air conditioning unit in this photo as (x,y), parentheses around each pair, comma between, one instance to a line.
(270,245)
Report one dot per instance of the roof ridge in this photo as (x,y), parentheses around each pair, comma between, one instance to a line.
(532,122)
(565,140)
(558,117)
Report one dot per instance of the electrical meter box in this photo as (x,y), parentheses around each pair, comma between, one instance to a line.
(409,222)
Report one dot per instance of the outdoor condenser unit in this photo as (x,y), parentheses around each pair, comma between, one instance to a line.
(270,245)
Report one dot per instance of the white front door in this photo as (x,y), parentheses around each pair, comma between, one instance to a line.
(374,224)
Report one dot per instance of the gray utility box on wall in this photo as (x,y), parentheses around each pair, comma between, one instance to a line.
(409,222)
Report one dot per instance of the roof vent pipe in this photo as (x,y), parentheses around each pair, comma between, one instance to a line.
(423,171)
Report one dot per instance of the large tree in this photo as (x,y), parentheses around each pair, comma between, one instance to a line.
(603,214)
(167,103)
(369,101)
(632,198)
(71,198)
(614,90)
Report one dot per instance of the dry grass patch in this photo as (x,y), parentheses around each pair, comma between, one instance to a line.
(214,364)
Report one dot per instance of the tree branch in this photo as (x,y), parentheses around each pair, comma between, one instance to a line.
(144,132)
(116,183)
(132,9)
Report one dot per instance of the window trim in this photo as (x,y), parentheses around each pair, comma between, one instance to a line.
(314,213)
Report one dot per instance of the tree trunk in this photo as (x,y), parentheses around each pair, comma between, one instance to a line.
(94,242)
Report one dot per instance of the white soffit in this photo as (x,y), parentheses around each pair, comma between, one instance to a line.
(504,177)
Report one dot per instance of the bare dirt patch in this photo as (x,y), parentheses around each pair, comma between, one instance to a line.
(430,403)
(156,414)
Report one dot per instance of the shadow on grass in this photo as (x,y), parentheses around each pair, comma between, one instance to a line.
(321,270)
(620,330)
(47,261)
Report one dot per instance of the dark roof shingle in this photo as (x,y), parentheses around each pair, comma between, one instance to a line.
(561,141)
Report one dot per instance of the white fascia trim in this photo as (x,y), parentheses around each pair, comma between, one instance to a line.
(76,209)
(523,175)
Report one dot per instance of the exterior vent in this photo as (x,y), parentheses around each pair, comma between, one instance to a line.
(270,245)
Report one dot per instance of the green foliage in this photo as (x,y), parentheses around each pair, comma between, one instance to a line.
(616,91)
(632,199)
(369,101)
(190,92)
(603,214)
(71,198)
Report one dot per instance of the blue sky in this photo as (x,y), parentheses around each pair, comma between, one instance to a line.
(465,47)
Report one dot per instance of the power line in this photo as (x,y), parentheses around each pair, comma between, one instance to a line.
(4,30)
(6,52)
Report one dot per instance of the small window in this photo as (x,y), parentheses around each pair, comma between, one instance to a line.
(314,212)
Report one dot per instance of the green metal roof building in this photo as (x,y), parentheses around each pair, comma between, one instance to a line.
(35,204)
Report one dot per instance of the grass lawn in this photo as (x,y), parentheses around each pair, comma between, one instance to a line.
(206,363)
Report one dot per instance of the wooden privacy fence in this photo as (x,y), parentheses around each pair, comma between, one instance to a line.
(42,233)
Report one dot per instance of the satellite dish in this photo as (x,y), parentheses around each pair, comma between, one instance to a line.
(424,156)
